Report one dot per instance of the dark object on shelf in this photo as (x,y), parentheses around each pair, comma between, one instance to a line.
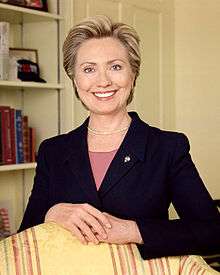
(37,4)
(29,71)
(32,4)
(14,2)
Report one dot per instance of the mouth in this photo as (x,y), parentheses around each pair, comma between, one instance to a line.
(106,94)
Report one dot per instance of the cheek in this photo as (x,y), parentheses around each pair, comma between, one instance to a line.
(83,83)
(125,81)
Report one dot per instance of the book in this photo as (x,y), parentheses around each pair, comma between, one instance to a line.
(26,137)
(12,130)
(4,37)
(6,135)
(4,50)
(5,230)
(32,144)
(19,137)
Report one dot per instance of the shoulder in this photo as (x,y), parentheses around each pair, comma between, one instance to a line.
(168,140)
(153,133)
(59,145)
(155,140)
(168,137)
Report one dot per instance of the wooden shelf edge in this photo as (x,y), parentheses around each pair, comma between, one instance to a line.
(29,84)
(22,166)
(30,11)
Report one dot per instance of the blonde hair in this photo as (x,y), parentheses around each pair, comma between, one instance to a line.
(99,27)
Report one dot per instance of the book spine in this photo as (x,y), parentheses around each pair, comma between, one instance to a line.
(4,37)
(25,139)
(32,144)
(19,135)
(12,128)
(6,135)
(4,50)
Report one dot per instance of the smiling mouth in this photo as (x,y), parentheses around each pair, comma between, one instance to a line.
(105,94)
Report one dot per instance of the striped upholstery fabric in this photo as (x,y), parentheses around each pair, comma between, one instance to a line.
(48,249)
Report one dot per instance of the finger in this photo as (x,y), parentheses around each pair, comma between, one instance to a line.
(86,230)
(78,234)
(109,215)
(98,215)
(95,225)
(87,239)
(100,239)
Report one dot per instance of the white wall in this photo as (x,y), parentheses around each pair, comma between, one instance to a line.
(154,92)
(197,57)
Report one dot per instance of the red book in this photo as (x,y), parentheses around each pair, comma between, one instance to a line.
(12,128)
(26,142)
(32,144)
(6,135)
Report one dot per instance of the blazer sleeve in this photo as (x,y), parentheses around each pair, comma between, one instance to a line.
(38,201)
(197,231)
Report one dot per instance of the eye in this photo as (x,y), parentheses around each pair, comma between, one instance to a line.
(88,70)
(116,67)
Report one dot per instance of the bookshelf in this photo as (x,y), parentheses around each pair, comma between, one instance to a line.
(14,14)
(38,30)
(22,166)
(29,84)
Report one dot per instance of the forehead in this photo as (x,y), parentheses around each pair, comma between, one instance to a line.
(101,49)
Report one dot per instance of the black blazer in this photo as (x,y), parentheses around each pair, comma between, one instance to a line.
(159,171)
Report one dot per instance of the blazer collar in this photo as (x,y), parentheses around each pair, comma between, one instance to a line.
(135,139)
(132,150)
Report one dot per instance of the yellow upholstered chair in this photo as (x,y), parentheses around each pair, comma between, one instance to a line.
(48,249)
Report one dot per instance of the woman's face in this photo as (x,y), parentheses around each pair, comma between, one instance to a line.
(103,75)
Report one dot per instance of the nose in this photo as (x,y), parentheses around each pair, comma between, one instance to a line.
(104,79)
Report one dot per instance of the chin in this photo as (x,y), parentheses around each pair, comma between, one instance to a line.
(109,111)
(104,109)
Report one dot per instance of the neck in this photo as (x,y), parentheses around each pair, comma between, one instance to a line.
(110,122)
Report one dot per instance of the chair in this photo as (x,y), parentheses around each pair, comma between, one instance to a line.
(49,249)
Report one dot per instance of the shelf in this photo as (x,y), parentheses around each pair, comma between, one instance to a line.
(27,84)
(15,14)
(22,166)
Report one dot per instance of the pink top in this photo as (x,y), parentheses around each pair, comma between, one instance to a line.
(100,162)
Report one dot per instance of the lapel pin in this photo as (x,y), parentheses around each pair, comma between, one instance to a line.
(127,159)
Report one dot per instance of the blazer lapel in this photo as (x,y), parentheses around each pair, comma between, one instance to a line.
(132,150)
(78,162)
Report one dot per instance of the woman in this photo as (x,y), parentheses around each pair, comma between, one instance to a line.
(113,178)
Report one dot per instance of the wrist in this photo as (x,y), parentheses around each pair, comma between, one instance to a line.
(135,233)
(49,217)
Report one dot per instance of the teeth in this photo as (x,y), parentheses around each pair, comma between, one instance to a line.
(104,94)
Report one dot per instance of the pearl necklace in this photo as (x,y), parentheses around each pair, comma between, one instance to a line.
(96,132)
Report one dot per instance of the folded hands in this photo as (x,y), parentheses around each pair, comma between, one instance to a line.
(89,224)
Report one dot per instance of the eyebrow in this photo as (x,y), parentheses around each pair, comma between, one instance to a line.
(109,62)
